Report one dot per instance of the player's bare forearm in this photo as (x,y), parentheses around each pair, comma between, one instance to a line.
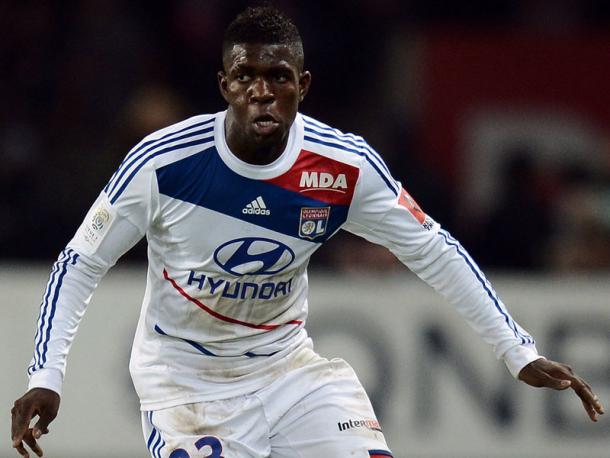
(36,402)
(559,376)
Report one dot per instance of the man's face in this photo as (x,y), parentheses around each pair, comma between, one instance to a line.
(263,85)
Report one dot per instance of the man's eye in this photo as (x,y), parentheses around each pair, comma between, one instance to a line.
(242,77)
(281,77)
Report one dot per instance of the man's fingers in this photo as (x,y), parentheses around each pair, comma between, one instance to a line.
(42,425)
(597,405)
(39,402)
(544,373)
(589,400)
(590,410)
(549,381)
(558,384)
(21,415)
(31,441)
(37,433)
(558,376)
(21,449)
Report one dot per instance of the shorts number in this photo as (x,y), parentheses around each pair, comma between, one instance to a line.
(210,441)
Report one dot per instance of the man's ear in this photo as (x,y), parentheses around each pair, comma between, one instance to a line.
(304,83)
(222,84)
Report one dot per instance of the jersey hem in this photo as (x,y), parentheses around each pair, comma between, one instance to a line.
(206,390)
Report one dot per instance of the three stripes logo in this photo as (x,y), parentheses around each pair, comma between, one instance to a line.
(256,207)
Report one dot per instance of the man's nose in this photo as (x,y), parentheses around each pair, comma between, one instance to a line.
(260,91)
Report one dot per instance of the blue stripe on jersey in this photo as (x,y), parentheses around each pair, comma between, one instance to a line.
(522,333)
(207,352)
(47,309)
(388,181)
(249,354)
(146,154)
(205,142)
(152,436)
(198,347)
(158,446)
(125,168)
(153,433)
(171,136)
(155,449)
(358,142)
(43,309)
(490,292)
(204,179)
(380,452)
(155,436)
(72,260)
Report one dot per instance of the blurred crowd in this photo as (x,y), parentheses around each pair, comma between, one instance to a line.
(83,81)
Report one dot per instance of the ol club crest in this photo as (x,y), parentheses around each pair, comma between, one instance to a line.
(313,222)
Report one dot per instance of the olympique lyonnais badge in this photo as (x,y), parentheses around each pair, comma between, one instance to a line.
(313,222)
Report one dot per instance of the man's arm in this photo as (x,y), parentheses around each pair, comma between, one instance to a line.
(104,236)
(384,213)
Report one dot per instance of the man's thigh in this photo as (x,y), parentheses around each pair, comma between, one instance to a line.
(322,410)
(219,429)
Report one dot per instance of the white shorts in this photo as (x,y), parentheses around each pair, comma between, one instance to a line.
(317,410)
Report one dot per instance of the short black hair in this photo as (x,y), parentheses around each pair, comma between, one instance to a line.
(265,25)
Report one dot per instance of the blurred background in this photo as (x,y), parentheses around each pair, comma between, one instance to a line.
(495,116)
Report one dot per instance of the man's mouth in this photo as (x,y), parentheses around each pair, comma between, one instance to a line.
(265,124)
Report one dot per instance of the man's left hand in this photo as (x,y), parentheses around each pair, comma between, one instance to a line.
(559,376)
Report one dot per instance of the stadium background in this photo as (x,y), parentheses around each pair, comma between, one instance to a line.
(494,115)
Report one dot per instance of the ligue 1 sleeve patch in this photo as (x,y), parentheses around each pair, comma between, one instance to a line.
(313,222)
(405,200)
(96,225)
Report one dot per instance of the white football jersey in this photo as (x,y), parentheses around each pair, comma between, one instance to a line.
(228,246)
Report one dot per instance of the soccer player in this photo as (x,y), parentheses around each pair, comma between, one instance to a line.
(233,204)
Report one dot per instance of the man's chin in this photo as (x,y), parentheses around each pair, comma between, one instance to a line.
(269,137)
(266,129)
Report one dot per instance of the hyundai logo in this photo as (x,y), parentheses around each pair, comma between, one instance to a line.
(253,256)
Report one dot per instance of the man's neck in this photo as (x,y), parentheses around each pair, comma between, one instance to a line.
(249,150)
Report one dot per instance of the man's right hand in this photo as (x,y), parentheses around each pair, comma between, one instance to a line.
(37,401)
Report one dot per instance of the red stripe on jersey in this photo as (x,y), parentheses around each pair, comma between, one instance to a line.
(409,203)
(320,178)
(221,317)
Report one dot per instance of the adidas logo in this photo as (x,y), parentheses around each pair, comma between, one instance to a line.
(256,207)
